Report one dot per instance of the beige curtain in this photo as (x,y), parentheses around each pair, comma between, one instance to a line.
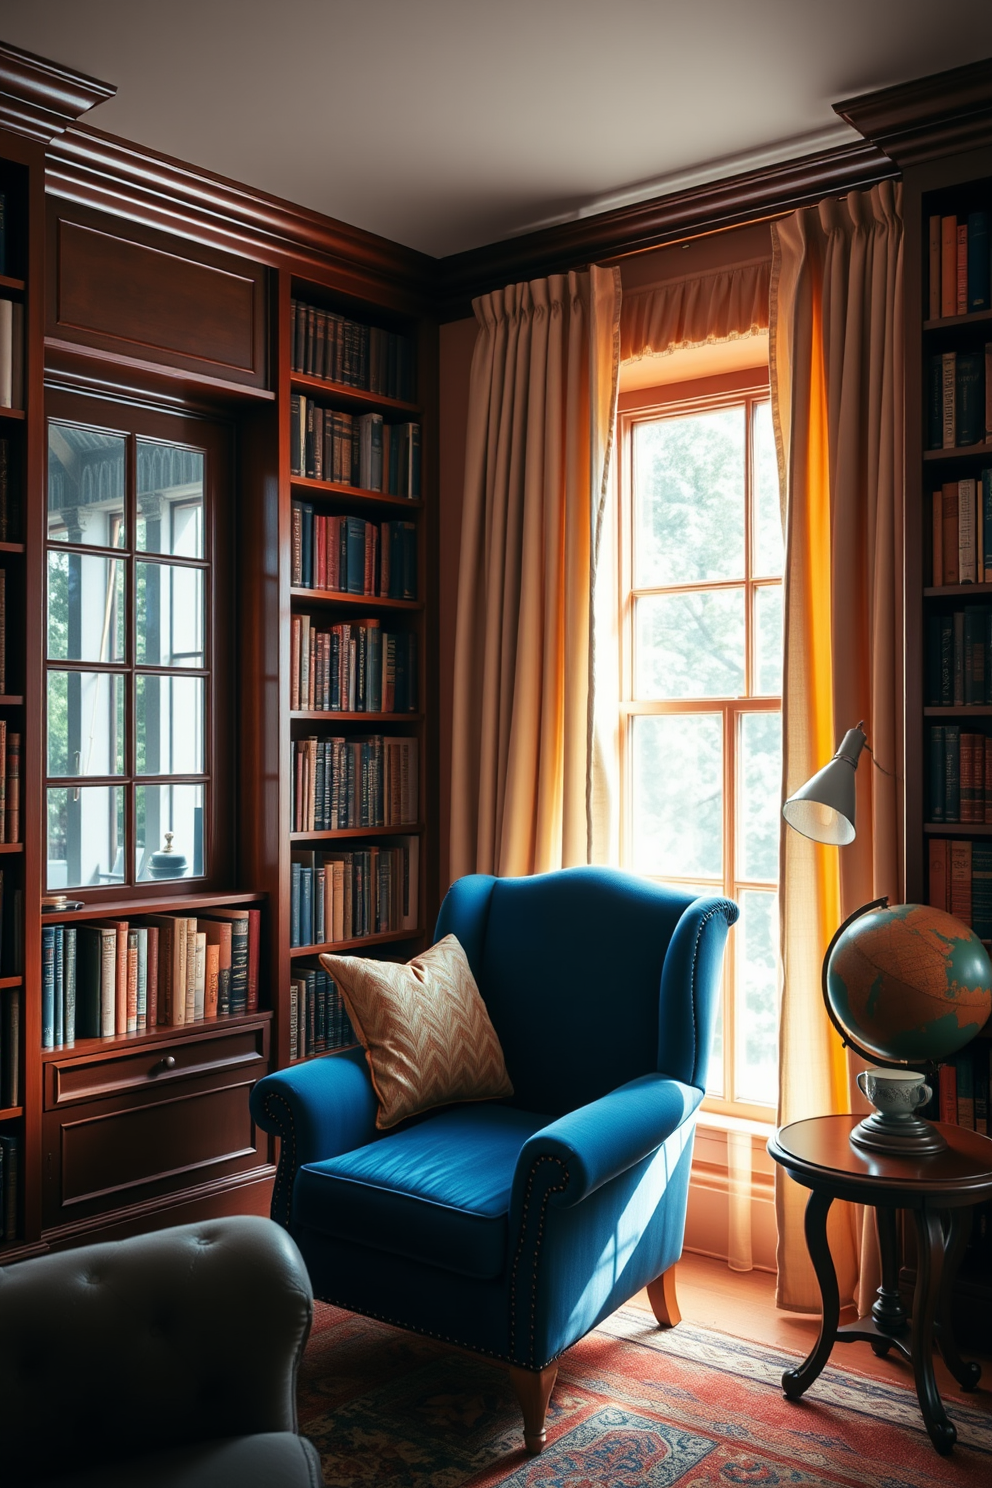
(724,305)
(836,359)
(527,790)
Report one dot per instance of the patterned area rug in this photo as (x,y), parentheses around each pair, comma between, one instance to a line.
(634,1407)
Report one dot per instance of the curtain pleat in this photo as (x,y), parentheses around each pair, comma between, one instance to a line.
(835,366)
(671,316)
(542,399)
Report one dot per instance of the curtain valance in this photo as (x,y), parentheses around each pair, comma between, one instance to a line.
(724,305)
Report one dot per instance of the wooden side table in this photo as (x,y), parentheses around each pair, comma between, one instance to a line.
(936,1190)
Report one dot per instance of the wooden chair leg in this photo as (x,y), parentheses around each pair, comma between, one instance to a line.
(532,1388)
(664,1303)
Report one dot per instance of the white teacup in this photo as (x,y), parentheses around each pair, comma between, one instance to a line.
(896,1092)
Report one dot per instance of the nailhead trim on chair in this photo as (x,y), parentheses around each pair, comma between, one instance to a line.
(717,909)
(551,1189)
(282,1191)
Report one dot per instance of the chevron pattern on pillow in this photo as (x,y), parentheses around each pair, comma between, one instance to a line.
(425,1030)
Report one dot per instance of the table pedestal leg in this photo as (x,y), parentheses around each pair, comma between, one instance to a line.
(930,1265)
(887,1309)
(796,1381)
(967,1375)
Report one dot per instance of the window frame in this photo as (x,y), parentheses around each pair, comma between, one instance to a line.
(645,405)
(139,422)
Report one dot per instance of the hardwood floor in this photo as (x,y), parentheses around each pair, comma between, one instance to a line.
(743,1303)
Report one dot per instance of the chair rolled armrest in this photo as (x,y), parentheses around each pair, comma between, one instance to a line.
(158,1341)
(589,1146)
(318,1109)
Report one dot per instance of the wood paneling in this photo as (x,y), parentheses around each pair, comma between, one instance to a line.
(142,296)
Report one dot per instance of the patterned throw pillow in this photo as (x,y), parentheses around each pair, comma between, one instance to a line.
(425,1030)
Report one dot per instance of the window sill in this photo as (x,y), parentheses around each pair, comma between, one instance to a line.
(720,1121)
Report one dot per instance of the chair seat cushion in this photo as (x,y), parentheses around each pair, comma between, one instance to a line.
(438,1192)
(273,1459)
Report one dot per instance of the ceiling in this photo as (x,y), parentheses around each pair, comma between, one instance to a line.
(445,124)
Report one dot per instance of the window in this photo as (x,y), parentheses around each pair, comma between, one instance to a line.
(701,598)
(132,654)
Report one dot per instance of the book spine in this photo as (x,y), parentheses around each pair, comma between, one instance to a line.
(948,1082)
(961,881)
(961,278)
(108,976)
(152,1015)
(948,266)
(949,399)
(969,398)
(933,279)
(978,262)
(59,984)
(239,966)
(952,772)
(938,895)
(958,620)
(69,1032)
(48,986)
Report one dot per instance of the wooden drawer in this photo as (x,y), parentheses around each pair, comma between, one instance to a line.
(150,1137)
(161,1064)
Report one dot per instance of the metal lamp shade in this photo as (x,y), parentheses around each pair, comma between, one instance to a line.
(824,808)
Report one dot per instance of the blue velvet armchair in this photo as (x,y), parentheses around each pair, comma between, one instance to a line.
(513,1227)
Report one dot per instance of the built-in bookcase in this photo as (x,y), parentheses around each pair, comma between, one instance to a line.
(949,602)
(355,690)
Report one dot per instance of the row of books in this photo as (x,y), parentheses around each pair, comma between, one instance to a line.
(103,979)
(10,1162)
(10,506)
(963,1094)
(325,344)
(11,354)
(351,668)
(960,882)
(959,657)
(318,1020)
(960,774)
(959,265)
(338,896)
(357,782)
(10,784)
(353,556)
(959,399)
(360,450)
(961,527)
(10,1048)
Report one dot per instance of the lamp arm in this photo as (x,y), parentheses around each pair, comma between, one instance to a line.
(845,1038)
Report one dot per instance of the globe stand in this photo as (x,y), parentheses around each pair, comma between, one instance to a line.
(903,1135)
(906,1136)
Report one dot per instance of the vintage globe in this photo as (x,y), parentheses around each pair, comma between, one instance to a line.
(909,983)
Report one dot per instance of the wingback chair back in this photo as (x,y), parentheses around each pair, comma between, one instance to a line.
(584,974)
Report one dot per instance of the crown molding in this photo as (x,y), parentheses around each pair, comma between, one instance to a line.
(116,175)
(748,197)
(39,99)
(928,117)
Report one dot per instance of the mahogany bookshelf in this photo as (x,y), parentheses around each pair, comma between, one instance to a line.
(948,185)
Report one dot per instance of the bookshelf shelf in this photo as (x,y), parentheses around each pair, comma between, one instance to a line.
(343,834)
(116,909)
(964,452)
(10,981)
(11,547)
(11,1113)
(17,285)
(11,700)
(352,397)
(11,847)
(956,591)
(357,494)
(151,1037)
(329,715)
(949,322)
(958,829)
(962,710)
(13,413)
(354,601)
(338,947)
